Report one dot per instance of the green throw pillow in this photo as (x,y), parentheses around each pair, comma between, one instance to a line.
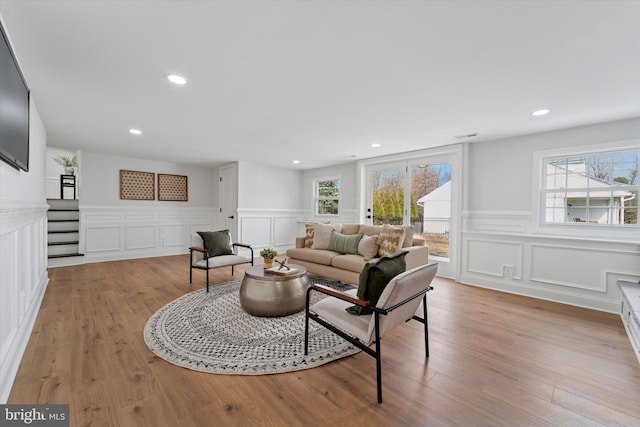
(375,276)
(216,242)
(343,243)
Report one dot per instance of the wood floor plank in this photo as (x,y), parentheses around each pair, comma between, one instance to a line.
(496,359)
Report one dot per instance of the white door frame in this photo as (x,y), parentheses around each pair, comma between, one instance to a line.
(451,153)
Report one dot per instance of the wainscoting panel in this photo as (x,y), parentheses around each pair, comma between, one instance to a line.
(576,271)
(490,257)
(173,235)
(111,233)
(102,239)
(285,231)
(558,265)
(139,237)
(256,231)
(269,228)
(23,281)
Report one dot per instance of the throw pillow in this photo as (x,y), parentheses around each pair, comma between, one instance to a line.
(375,276)
(216,242)
(368,247)
(390,240)
(308,235)
(409,231)
(322,235)
(345,244)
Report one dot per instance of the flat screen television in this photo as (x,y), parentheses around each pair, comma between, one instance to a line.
(14,109)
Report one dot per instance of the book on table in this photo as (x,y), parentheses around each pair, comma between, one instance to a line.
(281,271)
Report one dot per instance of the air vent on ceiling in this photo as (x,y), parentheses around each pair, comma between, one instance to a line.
(468,135)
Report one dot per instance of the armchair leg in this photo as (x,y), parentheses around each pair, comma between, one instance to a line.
(207,280)
(306,326)
(426,328)
(378,358)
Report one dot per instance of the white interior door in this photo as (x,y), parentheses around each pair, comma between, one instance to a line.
(229,199)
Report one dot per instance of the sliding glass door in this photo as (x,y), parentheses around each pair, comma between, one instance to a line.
(419,192)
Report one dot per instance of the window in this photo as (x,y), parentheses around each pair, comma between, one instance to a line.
(327,196)
(593,188)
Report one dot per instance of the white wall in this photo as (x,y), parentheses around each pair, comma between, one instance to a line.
(112,228)
(500,226)
(269,201)
(23,251)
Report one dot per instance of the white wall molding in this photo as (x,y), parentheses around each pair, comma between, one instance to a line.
(23,280)
(508,222)
(577,271)
(109,233)
(276,228)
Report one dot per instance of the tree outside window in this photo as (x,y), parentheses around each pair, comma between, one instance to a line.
(327,196)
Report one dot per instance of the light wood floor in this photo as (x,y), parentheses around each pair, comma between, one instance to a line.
(496,360)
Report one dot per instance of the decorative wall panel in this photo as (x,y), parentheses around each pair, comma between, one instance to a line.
(173,235)
(173,188)
(136,185)
(139,237)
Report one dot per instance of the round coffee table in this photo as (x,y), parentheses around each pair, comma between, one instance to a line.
(273,295)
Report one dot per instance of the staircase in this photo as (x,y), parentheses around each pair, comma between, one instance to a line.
(63,236)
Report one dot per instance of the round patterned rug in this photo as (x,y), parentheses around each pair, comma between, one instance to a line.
(210,332)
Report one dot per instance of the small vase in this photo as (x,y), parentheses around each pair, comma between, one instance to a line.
(69,171)
(268,263)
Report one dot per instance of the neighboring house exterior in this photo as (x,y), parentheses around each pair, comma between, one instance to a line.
(582,198)
(437,209)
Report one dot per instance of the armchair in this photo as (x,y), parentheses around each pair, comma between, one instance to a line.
(224,255)
(398,303)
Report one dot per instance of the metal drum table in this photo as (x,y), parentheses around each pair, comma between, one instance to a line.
(273,295)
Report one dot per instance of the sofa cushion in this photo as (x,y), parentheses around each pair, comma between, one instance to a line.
(350,228)
(374,278)
(349,262)
(216,242)
(368,247)
(409,231)
(390,240)
(322,235)
(370,230)
(317,256)
(345,244)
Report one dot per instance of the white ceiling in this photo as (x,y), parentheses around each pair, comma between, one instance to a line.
(319,81)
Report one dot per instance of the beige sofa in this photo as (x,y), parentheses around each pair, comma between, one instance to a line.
(346,267)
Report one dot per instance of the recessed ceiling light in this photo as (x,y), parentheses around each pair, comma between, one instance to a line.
(375,145)
(135,131)
(179,80)
(540,112)
(296,161)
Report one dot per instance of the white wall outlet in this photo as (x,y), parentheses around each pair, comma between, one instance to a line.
(507,270)
(161,242)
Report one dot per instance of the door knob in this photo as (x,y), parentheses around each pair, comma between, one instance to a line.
(230,217)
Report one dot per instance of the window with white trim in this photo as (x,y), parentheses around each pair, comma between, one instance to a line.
(591,189)
(326,196)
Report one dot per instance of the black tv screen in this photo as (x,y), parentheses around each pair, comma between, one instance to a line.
(14,109)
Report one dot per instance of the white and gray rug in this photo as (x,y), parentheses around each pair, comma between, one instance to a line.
(210,332)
